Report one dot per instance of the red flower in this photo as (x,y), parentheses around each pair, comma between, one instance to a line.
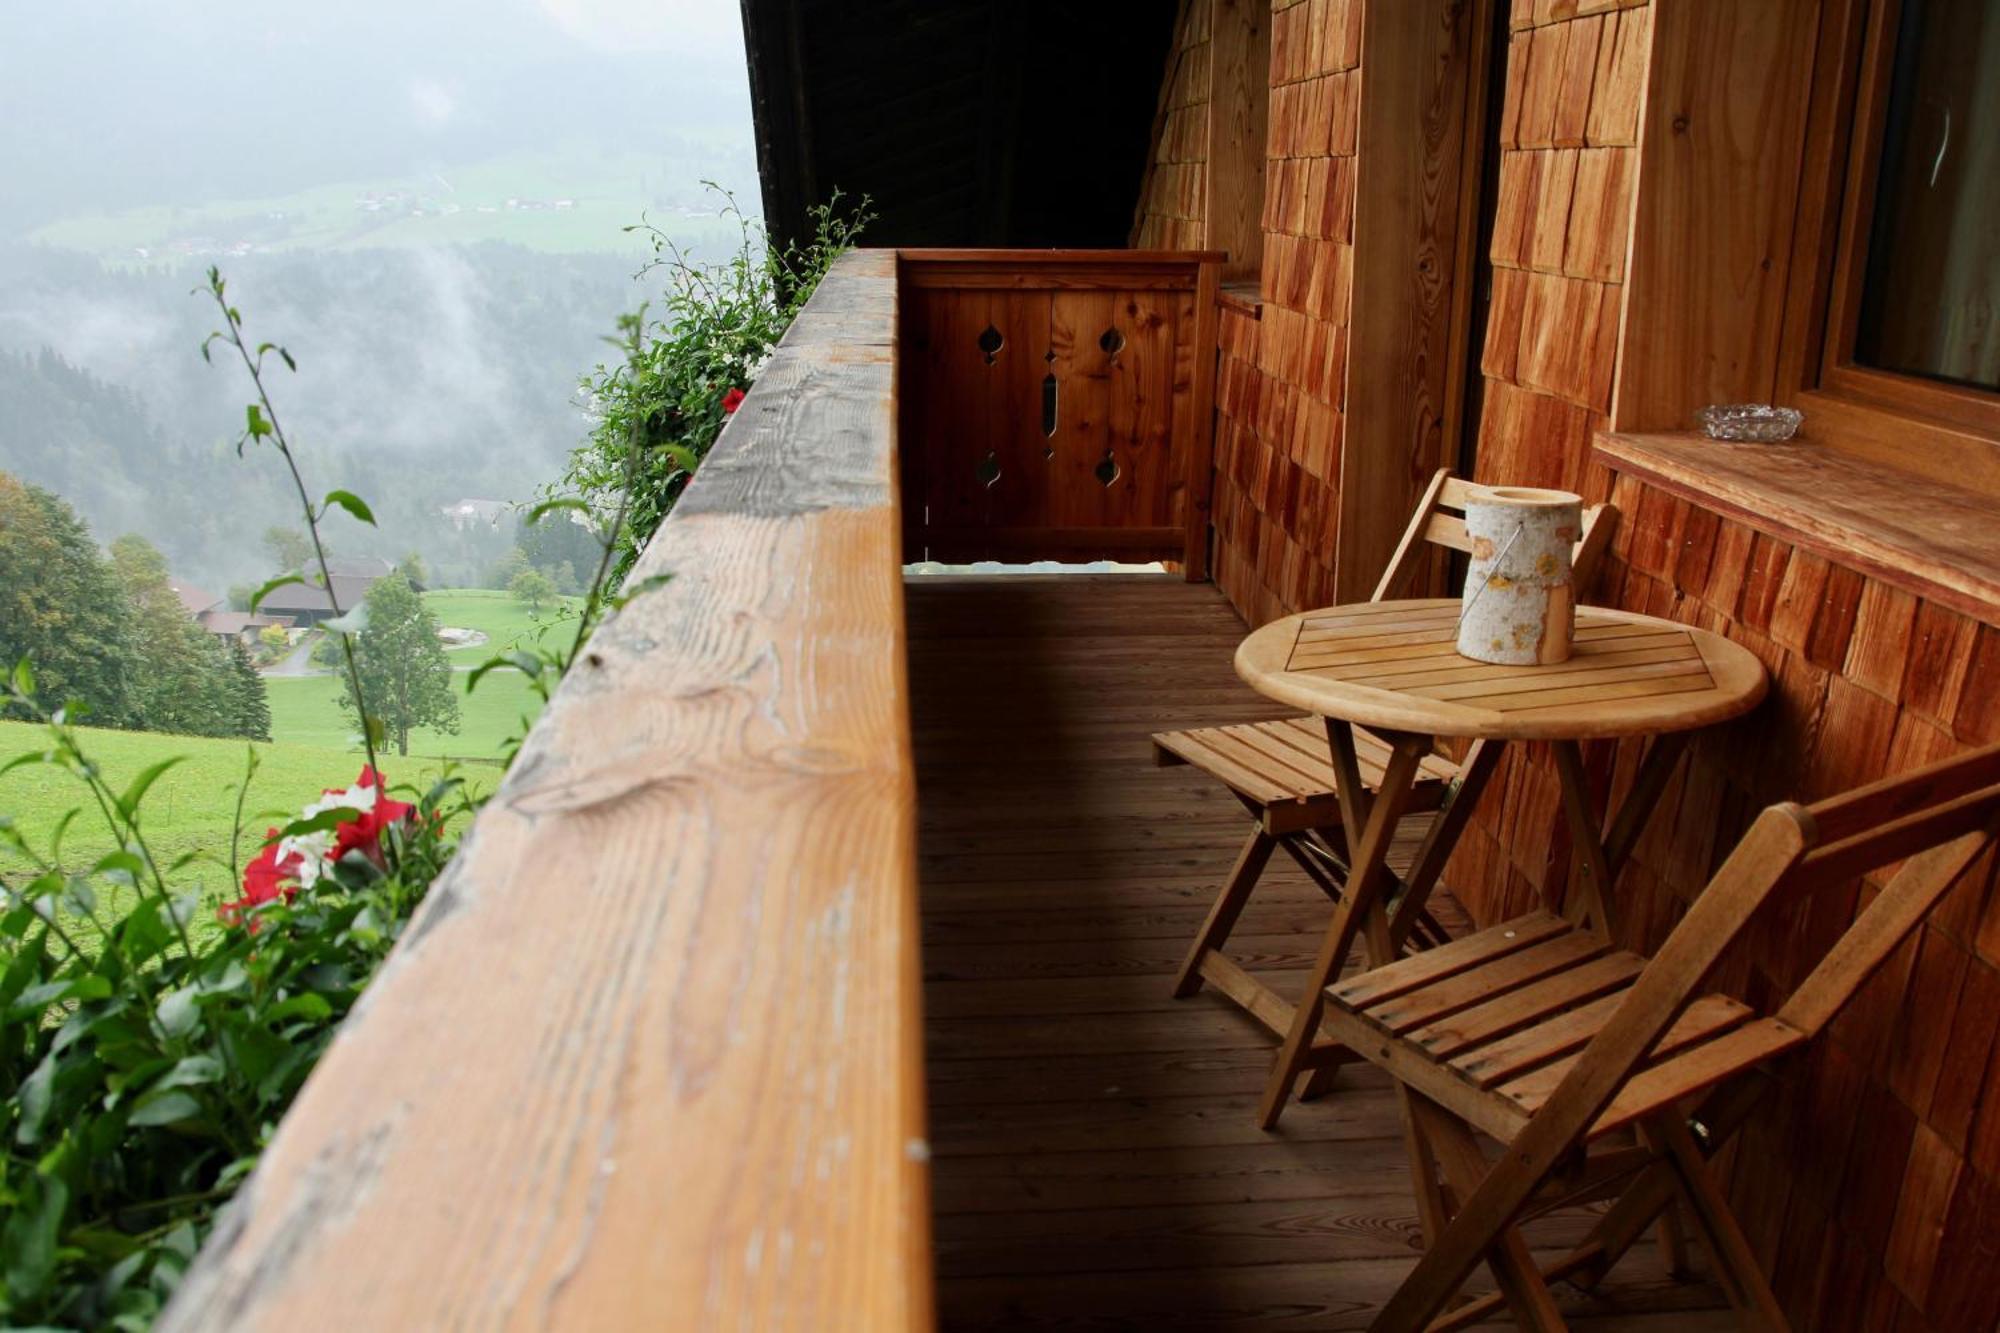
(365,832)
(731,401)
(285,865)
(266,878)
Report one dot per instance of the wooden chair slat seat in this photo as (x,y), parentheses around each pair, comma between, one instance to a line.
(1446,960)
(1550,1041)
(1282,766)
(1504,1030)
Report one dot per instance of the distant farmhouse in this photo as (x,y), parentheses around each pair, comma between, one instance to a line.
(307,604)
(213,615)
(470,513)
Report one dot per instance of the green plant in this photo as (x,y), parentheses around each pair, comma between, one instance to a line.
(658,412)
(147,1062)
(261,426)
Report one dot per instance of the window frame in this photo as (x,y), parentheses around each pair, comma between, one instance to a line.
(1948,431)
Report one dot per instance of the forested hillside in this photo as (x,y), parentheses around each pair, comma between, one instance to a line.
(425,377)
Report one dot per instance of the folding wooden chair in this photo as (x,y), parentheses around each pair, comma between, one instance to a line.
(1282,772)
(1540,1034)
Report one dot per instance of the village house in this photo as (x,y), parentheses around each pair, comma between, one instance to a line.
(308,604)
(213,614)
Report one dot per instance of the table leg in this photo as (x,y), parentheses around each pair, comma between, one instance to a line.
(1442,836)
(1597,857)
(1361,912)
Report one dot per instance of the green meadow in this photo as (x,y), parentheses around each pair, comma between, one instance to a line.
(192,808)
(306,709)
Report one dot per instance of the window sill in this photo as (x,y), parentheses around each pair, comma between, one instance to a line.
(1913,532)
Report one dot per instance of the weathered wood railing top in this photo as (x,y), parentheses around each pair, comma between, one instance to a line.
(650,1054)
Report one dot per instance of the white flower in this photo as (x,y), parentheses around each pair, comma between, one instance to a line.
(313,849)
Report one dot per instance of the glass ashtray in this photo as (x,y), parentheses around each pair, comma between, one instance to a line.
(1757,423)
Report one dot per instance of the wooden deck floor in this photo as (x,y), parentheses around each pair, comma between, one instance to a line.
(1096,1163)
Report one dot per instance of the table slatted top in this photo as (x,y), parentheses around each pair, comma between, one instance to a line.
(1396,665)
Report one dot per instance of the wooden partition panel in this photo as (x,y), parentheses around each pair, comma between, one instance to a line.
(650,1054)
(1057,404)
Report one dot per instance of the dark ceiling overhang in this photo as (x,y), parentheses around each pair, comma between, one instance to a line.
(965,122)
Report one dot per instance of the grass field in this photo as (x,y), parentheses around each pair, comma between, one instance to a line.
(192,807)
(305,710)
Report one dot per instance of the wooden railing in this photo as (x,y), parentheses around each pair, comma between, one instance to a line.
(649,1056)
(1056,404)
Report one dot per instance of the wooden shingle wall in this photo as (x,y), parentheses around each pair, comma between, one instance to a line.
(1280,386)
(1173,198)
(1870,1182)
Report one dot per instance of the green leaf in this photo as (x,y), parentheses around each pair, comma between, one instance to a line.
(308,1005)
(31,1236)
(119,867)
(193,1072)
(128,804)
(257,426)
(257,597)
(527,663)
(684,458)
(168,1107)
(62,827)
(23,760)
(32,1101)
(352,503)
(178,1012)
(546,507)
(319,823)
(78,897)
(640,589)
(24,677)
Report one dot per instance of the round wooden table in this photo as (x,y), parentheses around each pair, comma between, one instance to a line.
(1394,668)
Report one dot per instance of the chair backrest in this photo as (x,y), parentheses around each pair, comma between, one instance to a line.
(1937,821)
(1439,520)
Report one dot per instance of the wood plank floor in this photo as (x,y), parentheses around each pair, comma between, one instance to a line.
(1095,1158)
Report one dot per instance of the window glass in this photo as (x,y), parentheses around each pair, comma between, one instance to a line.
(1931,292)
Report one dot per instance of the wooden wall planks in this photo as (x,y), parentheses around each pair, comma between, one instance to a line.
(1290,527)
(1173,197)
(650,1054)
(1239,65)
(1281,385)
(1402,360)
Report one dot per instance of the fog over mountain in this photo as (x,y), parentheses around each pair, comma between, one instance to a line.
(121,103)
(425,202)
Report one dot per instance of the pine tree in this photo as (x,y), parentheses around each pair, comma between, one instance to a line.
(185,684)
(61,606)
(405,676)
(251,712)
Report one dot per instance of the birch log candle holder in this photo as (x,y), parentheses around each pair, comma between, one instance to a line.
(1519,606)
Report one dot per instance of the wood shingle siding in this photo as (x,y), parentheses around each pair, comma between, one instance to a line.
(1871,1186)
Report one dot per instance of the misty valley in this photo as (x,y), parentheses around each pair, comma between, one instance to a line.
(427,378)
